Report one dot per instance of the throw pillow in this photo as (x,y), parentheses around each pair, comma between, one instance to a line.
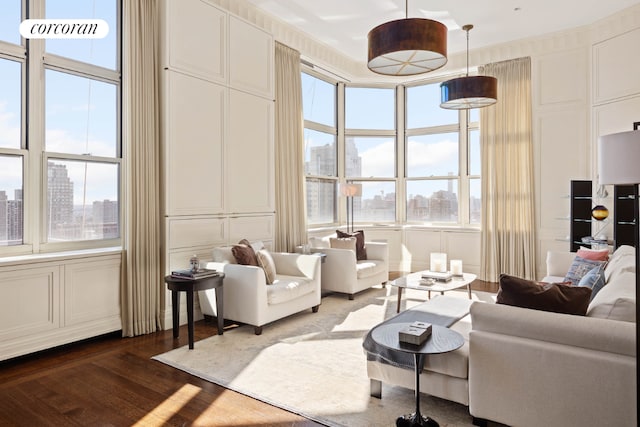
(343,243)
(547,297)
(593,254)
(265,260)
(594,279)
(579,268)
(361,250)
(244,253)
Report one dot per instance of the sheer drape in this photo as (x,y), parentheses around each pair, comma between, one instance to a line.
(142,282)
(508,215)
(291,217)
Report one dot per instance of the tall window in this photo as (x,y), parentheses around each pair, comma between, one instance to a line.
(442,160)
(370,151)
(320,148)
(61,174)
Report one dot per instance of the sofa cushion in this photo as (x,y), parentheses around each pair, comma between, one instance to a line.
(369,268)
(621,260)
(286,288)
(361,250)
(553,297)
(244,253)
(579,267)
(594,279)
(343,243)
(593,254)
(616,300)
(265,261)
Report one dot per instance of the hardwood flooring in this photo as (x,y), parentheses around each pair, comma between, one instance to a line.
(111,381)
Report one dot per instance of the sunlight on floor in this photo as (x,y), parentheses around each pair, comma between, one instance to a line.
(171,406)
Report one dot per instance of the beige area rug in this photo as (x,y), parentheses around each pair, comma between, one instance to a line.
(313,364)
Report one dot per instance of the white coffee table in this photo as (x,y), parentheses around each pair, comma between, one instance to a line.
(412,281)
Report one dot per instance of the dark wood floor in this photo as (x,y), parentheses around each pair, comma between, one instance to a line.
(111,381)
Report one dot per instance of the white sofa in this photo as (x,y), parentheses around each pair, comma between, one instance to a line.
(343,273)
(524,367)
(249,300)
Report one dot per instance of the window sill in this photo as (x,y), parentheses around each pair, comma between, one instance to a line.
(58,256)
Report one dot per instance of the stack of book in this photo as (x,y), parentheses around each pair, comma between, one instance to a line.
(190,274)
(437,276)
(415,333)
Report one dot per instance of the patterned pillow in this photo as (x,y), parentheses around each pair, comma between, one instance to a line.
(265,260)
(594,279)
(579,268)
(361,250)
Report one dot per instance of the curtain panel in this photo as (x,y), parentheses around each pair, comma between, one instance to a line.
(508,214)
(142,282)
(291,215)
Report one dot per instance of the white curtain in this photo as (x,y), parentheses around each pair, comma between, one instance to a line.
(508,215)
(291,216)
(142,281)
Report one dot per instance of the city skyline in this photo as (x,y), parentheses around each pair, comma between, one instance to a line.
(65,220)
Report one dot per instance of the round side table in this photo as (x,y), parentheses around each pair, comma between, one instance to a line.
(441,340)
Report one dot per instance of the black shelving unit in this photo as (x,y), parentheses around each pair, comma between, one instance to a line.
(581,205)
(625,226)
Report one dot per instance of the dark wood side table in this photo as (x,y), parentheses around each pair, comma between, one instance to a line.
(177,285)
(442,340)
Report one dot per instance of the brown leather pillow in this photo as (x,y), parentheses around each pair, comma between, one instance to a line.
(361,250)
(543,296)
(244,253)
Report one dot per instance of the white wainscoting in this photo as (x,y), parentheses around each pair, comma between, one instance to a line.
(50,301)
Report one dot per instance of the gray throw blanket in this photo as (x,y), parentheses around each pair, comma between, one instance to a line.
(442,310)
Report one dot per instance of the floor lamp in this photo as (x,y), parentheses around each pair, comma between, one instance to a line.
(619,163)
(350,190)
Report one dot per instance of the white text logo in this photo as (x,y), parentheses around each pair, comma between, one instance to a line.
(64,28)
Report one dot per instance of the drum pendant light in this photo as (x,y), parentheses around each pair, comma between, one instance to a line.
(407,46)
(468,92)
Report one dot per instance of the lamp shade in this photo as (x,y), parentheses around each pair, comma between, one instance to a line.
(407,46)
(619,158)
(351,190)
(463,93)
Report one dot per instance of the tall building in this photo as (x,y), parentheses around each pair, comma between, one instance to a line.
(3,217)
(105,218)
(11,218)
(60,202)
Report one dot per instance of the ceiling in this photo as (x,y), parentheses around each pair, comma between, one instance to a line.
(344,24)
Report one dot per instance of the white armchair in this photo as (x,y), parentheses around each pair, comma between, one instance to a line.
(249,300)
(342,272)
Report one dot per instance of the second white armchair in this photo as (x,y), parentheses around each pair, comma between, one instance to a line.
(343,273)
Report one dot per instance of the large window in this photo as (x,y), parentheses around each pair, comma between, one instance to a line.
(370,151)
(61,173)
(423,168)
(442,160)
(320,148)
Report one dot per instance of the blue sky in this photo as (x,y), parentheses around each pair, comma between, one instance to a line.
(80,114)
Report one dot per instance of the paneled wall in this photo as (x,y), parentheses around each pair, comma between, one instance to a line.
(56,299)
(218,127)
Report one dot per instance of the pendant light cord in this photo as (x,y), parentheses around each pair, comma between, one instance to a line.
(406,9)
(468,51)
